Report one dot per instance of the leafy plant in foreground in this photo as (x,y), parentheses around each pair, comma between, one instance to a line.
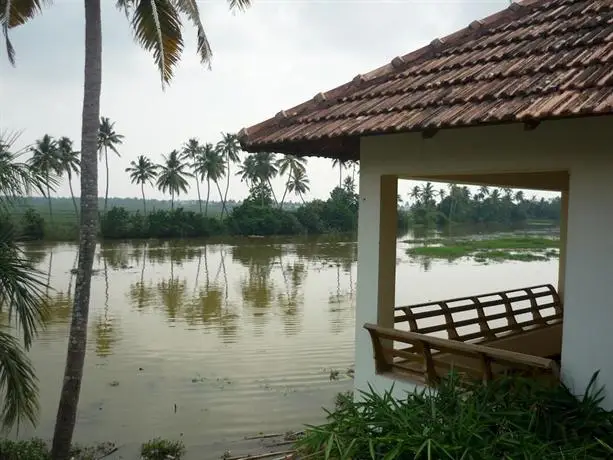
(509,418)
(162,449)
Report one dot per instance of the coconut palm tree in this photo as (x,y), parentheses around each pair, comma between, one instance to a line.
(415,193)
(107,139)
(484,190)
(17,178)
(519,196)
(172,176)
(21,296)
(299,183)
(157,28)
(341,164)
(229,147)
(215,170)
(69,164)
(191,151)
(289,164)
(45,159)
(247,171)
(142,171)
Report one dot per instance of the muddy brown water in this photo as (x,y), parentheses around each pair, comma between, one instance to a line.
(209,342)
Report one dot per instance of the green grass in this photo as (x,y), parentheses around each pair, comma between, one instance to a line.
(508,418)
(522,248)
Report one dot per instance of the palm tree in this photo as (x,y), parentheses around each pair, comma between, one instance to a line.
(495,195)
(229,147)
(247,171)
(107,139)
(299,183)
(142,171)
(17,179)
(172,177)
(69,164)
(415,193)
(215,170)
(191,151)
(290,164)
(157,28)
(519,196)
(45,159)
(441,193)
(341,164)
(484,190)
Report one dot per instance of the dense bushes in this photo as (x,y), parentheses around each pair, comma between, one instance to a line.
(176,223)
(508,418)
(257,215)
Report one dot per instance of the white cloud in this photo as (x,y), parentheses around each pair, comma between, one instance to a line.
(273,56)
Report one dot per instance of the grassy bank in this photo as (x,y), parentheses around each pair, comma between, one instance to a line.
(509,418)
(37,449)
(524,248)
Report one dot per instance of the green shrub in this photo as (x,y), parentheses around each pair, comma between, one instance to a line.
(33,449)
(32,225)
(509,418)
(162,449)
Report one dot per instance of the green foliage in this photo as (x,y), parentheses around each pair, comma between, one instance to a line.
(162,449)
(459,205)
(32,225)
(525,248)
(118,223)
(37,449)
(33,449)
(511,417)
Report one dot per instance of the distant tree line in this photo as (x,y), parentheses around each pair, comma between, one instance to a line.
(457,204)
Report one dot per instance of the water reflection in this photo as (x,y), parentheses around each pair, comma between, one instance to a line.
(171,320)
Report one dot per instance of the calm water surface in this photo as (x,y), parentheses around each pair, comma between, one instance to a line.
(213,341)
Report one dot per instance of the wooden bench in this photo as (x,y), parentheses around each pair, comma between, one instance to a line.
(481,335)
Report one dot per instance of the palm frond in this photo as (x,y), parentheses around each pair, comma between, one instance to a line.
(14,13)
(21,290)
(157,28)
(240,5)
(190,8)
(18,384)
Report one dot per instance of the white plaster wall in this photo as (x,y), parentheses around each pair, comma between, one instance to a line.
(584,147)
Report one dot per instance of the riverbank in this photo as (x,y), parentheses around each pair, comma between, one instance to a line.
(484,249)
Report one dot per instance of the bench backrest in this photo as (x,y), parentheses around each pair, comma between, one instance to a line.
(485,317)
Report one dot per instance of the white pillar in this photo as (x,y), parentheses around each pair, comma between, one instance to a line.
(377,231)
(563,244)
(587,342)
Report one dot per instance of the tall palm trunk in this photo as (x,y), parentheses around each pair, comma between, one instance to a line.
(77,340)
(172,200)
(208,195)
(340,174)
(199,199)
(106,163)
(220,197)
(74,201)
(142,191)
(285,191)
(49,199)
(274,197)
(225,197)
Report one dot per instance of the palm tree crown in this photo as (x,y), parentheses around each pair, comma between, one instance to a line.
(142,171)
(172,175)
(70,163)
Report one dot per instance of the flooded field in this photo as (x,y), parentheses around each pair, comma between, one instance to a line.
(212,341)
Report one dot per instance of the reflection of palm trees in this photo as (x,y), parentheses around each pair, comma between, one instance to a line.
(172,294)
(291,301)
(105,333)
(141,295)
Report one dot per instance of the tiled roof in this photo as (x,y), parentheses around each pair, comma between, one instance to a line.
(535,60)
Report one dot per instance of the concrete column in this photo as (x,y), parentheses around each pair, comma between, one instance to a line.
(587,340)
(563,242)
(377,230)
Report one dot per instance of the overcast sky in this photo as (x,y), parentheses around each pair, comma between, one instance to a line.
(271,57)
